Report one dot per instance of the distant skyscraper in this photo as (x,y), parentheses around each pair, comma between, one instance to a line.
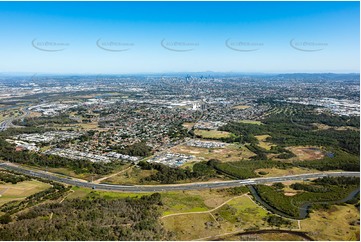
(195,106)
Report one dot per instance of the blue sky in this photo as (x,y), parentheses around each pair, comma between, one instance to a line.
(144,37)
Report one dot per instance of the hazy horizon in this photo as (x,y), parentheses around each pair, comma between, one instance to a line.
(15,74)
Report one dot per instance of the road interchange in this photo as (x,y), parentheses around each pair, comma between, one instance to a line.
(8,123)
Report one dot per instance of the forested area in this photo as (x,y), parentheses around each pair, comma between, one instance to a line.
(168,175)
(177,131)
(326,189)
(48,121)
(13,178)
(298,129)
(137,149)
(341,160)
(338,160)
(90,219)
(244,169)
(277,221)
(235,191)
(204,170)
(306,113)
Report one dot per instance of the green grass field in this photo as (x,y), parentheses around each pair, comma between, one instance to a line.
(241,107)
(69,173)
(245,209)
(173,202)
(263,143)
(337,223)
(10,192)
(178,202)
(251,122)
(81,192)
(204,214)
(188,125)
(131,176)
(239,214)
(272,172)
(212,134)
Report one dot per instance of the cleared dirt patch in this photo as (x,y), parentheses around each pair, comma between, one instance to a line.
(188,125)
(241,107)
(213,202)
(131,176)
(191,226)
(307,153)
(34,114)
(339,128)
(271,172)
(290,194)
(227,154)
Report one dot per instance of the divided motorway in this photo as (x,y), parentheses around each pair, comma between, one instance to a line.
(9,122)
(175,187)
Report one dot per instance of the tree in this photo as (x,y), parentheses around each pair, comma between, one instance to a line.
(5,219)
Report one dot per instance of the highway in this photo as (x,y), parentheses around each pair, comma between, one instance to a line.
(9,122)
(4,125)
(174,187)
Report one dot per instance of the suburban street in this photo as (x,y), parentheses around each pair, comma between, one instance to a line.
(174,187)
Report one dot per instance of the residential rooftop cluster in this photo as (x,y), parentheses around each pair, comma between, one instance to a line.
(78,155)
(209,125)
(206,144)
(344,107)
(220,113)
(50,109)
(22,145)
(110,113)
(171,159)
(129,123)
(48,137)
(122,157)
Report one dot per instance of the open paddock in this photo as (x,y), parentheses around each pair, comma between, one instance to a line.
(212,134)
(241,107)
(21,190)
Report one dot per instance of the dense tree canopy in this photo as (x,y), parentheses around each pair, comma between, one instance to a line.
(89,219)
